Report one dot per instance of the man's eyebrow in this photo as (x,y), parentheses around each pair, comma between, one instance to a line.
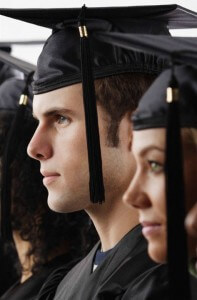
(53,111)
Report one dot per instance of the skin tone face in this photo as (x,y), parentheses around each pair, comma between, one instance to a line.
(147,190)
(191,225)
(191,221)
(59,143)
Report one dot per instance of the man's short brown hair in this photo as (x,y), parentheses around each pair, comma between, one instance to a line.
(119,94)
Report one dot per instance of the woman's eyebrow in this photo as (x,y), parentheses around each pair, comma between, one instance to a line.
(150,148)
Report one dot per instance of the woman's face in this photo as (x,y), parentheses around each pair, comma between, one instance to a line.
(147,189)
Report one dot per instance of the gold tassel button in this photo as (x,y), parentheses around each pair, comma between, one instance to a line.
(83,31)
(172,94)
(23,100)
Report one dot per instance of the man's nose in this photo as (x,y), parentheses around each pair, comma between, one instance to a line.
(136,195)
(39,147)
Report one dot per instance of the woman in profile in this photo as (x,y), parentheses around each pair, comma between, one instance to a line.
(147,190)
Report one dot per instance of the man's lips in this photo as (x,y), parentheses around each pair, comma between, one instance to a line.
(150,228)
(49,177)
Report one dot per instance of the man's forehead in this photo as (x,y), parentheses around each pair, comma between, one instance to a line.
(69,97)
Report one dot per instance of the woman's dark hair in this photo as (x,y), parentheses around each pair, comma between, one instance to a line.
(30,215)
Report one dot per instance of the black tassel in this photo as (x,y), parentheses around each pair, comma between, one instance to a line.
(177,242)
(14,136)
(97,194)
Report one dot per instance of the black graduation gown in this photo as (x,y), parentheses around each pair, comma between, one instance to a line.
(126,273)
(31,287)
(8,274)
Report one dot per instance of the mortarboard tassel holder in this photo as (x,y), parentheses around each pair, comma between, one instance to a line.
(97,194)
(177,244)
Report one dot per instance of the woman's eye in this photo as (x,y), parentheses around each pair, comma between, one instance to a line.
(155,166)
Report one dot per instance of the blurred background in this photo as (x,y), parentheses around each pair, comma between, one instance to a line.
(11,30)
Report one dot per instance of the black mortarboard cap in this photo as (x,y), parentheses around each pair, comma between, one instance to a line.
(8,44)
(62,63)
(177,51)
(58,68)
(16,63)
(183,49)
(152,109)
(10,92)
(5,71)
(5,47)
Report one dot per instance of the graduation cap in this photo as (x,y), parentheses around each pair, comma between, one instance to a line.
(12,91)
(65,61)
(183,49)
(7,45)
(5,71)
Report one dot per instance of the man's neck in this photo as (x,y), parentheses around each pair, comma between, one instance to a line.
(112,221)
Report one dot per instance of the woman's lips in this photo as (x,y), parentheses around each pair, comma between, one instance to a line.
(150,228)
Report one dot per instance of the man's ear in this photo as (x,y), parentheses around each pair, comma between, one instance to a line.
(126,131)
(130,131)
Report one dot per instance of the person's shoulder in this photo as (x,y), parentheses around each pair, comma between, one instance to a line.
(152,284)
(193,286)
(78,272)
(83,264)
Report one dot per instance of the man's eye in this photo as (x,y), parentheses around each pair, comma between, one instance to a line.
(61,119)
(155,166)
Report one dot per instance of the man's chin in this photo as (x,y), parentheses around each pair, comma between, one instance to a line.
(56,204)
(54,207)
(65,204)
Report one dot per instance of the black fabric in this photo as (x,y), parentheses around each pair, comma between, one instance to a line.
(57,68)
(182,49)
(175,205)
(100,256)
(8,274)
(16,63)
(29,42)
(5,72)
(126,273)
(31,287)
(174,15)
(10,92)
(49,287)
(152,109)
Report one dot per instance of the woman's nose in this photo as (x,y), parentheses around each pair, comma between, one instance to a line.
(136,195)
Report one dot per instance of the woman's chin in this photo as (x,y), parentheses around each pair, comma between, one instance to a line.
(157,252)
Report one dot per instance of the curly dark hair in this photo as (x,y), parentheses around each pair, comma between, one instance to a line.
(30,215)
